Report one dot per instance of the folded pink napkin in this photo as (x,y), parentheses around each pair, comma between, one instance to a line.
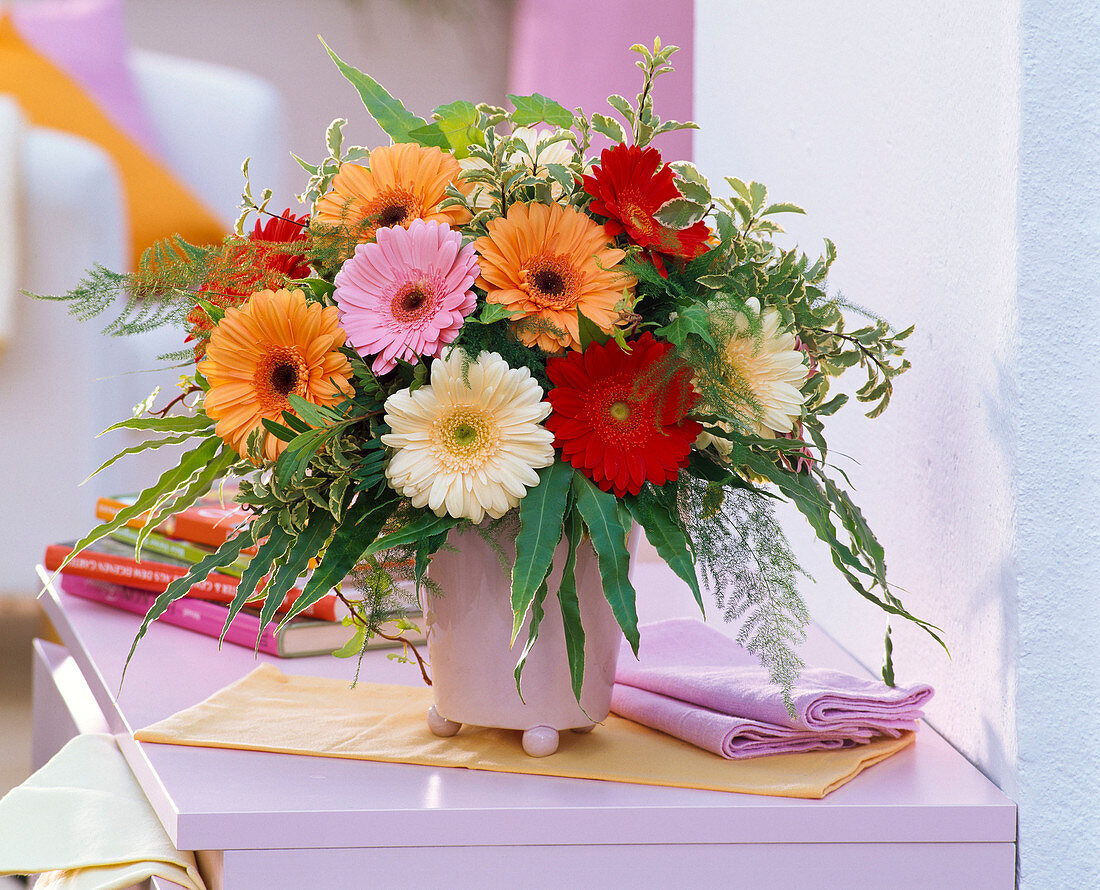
(695,683)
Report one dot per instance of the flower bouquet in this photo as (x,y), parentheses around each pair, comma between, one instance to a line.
(483,327)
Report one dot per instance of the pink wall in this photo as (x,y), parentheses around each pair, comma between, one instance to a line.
(577,52)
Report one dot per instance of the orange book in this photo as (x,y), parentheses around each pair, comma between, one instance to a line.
(208,521)
(108,560)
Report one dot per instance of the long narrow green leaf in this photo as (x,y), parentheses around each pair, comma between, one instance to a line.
(269,553)
(540,515)
(571,605)
(537,614)
(172,424)
(169,481)
(667,538)
(424,527)
(362,523)
(295,562)
(391,115)
(599,509)
(147,445)
(226,554)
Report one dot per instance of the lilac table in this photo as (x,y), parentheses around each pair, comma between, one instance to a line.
(925,818)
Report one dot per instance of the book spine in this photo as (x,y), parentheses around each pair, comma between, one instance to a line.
(210,526)
(176,548)
(155,578)
(203,617)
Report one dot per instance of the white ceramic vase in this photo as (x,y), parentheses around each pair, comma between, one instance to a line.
(469,626)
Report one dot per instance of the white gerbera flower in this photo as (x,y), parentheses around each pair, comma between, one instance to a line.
(764,366)
(468,443)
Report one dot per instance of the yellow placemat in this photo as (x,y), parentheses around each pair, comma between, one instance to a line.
(271,711)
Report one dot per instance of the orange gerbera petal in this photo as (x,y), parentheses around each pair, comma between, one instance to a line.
(404,182)
(546,262)
(278,343)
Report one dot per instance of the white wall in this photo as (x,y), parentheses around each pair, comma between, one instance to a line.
(951,150)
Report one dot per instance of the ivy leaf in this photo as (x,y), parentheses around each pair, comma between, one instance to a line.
(692,320)
(537,108)
(493,312)
(430,135)
(390,114)
(680,213)
(541,513)
(600,511)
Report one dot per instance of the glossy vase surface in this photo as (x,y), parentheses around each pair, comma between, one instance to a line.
(469,626)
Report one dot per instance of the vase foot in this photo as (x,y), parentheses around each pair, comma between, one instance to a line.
(540,741)
(580,730)
(440,725)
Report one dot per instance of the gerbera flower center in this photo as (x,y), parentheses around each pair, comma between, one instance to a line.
(416,300)
(280,371)
(620,411)
(464,438)
(621,415)
(393,207)
(551,281)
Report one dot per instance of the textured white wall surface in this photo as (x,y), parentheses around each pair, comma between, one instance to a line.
(951,151)
(1058,723)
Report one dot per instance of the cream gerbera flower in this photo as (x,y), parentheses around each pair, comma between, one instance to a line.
(764,371)
(468,444)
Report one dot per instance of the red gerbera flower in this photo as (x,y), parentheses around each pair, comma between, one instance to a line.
(629,189)
(262,262)
(621,417)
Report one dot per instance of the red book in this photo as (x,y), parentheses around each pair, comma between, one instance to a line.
(108,560)
(299,636)
(209,521)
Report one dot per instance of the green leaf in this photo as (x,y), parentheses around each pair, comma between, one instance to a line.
(758,194)
(359,529)
(571,606)
(354,645)
(390,114)
(680,213)
(782,208)
(278,430)
(692,184)
(171,424)
(457,122)
(541,513)
(599,509)
(623,106)
(667,537)
(430,135)
(147,445)
(590,331)
(692,320)
(303,548)
(225,555)
(493,312)
(610,127)
(537,614)
(427,525)
(537,108)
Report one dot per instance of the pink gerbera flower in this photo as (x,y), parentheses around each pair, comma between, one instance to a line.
(406,295)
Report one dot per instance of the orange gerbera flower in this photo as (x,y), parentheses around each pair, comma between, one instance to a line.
(548,261)
(278,343)
(404,182)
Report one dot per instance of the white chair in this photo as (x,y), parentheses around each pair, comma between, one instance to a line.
(61,381)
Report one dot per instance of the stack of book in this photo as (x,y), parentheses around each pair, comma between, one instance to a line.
(109,572)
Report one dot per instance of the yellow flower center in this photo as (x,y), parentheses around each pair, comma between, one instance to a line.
(551,281)
(619,410)
(464,437)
